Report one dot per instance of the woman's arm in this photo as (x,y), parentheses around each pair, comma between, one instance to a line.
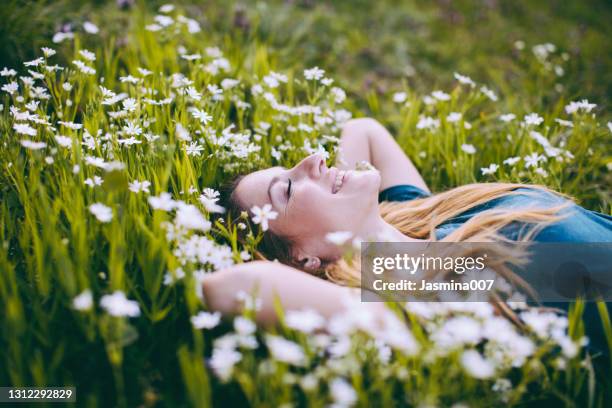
(295,290)
(366,139)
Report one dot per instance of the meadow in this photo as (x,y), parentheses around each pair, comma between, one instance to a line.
(121,120)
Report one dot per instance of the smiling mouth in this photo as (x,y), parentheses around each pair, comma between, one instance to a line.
(339,181)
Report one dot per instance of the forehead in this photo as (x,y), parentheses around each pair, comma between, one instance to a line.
(253,188)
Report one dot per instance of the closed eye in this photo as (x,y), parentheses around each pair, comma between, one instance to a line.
(289,190)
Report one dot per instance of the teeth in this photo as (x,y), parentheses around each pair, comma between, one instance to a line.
(338,181)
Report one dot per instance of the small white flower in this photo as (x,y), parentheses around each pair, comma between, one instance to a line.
(306,321)
(533,119)
(468,148)
(427,122)
(489,170)
(575,106)
(399,97)
(285,351)
(476,365)
(190,217)
(244,326)
(101,212)
(465,80)
(440,95)
(182,133)
(64,141)
(342,392)
(32,145)
(511,161)
(314,73)
(453,117)
(83,301)
(261,215)
(162,202)
(205,320)
(49,52)
(88,55)
(24,129)
(90,28)
(508,117)
(488,93)
(118,305)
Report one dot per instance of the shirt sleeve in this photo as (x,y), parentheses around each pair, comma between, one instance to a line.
(402,192)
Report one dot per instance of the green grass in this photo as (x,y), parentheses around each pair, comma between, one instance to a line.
(54,248)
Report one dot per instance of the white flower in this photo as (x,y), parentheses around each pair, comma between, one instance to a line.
(59,37)
(261,215)
(314,73)
(24,129)
(90,27)
(138,186)
(342,392)
(453,117)
(118,305)
(32,145)
(610,126)
(83,301)
(170,278)
(49,52)
(182,133)
(285,351)
(575,106)
(306,320)
(533,159)
(101,212)
(190,217)
(162,202)
(223,360)
(338,94)
(205,320)
(476,365)
(465,80)
(426,122)
(10,88)
(64,141)
(489,170)
(533,119)
(565,123)
(508,117)
(84,68)
(88,55)
(399,97)
(488,93)
(440,95)
(468,148)
(95,181)
(244,326)
(338,237)
(34,63)
(511,161)
(203,116)
(541,172)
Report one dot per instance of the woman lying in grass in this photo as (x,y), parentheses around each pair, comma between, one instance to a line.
(306,203)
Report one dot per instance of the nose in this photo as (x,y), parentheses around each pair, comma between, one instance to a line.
(312,166)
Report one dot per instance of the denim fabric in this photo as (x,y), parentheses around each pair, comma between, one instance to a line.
(578,225)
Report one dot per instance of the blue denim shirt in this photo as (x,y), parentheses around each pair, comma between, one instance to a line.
(578,225)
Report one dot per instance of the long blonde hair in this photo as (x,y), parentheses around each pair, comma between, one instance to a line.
(419,218)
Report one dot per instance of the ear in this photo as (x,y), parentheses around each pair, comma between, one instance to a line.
(309,263)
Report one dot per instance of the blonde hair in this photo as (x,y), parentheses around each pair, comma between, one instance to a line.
(419,218)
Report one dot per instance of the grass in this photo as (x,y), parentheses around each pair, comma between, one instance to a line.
(54,248)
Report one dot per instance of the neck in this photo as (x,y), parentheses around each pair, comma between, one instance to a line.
(377,229)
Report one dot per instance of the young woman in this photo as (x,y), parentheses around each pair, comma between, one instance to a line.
(392,202)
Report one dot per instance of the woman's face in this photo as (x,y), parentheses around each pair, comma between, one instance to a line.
(312,200)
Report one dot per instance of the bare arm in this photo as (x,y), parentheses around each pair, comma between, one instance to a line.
(366,139)
(295,290)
